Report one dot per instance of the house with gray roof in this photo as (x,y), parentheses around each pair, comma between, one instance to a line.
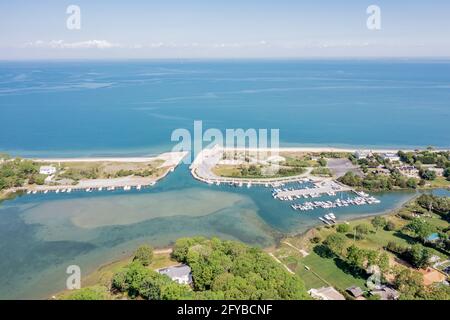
(181,273)
(326,293)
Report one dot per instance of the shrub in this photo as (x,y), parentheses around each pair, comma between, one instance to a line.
(144,254)
(390,226)
(343,228)
(88,293)
(362,230)
(379,222)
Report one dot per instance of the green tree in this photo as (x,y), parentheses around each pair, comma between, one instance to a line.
(343,228)
(390,226)
(351,179)
(220,270)
(409,283)
(438,292)
(420,228)
(419,256)
(362,230)
(427,174)
(336,243)
(379,222)
(88,293)
(411,183)
(356,257)
(322,162)
(383,262)
(144,254)
(447,172)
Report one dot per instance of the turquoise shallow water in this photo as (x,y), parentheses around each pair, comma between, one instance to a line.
(41,235)
(131,108)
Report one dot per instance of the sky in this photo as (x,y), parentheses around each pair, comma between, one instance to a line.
(147,29)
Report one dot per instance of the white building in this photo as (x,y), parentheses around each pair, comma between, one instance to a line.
(361,154)
(47,170)
(390,156)
(181,274)
(326,293)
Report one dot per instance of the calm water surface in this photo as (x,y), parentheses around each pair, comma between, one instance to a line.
(131,108)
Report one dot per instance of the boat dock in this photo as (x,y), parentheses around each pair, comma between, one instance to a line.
(328,187)
(201,170)
(240,182)
(357,201)
(85,188)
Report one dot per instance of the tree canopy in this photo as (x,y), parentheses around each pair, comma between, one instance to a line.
(236,271)
(144,254)
(220,270)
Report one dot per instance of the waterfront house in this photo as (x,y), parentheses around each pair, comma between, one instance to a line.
(392,157)
(355,291)
(386,293)
(181,274)
(360,154)
(326,293)
(47,170)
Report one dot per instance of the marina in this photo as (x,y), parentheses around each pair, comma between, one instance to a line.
(319,188)
(57,190)
(357,201)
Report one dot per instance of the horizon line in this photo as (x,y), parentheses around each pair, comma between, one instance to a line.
(228,58)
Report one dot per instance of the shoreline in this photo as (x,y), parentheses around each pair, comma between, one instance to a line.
(170,161)
(207,159)
(168,249)
(144,152)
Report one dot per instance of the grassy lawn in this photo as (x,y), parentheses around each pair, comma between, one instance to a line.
(323,272)
(378,239)
(234,171)
(321,172)
(440,182)
(104,170)
(437,221)
(328,270)
(226,171)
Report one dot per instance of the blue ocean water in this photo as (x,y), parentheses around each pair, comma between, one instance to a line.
(132,107)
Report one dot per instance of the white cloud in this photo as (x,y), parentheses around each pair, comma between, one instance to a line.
(61,44)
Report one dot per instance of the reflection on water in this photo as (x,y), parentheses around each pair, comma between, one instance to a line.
(42,234)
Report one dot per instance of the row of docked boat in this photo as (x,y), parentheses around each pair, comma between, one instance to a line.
(358,201)
(237,183)
(295,197)
(328,219)
(69,190)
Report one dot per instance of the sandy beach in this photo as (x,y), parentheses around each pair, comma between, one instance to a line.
(322,149)
(170,160)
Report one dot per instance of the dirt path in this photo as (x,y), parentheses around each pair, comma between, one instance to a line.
(279,261)
(302,252)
